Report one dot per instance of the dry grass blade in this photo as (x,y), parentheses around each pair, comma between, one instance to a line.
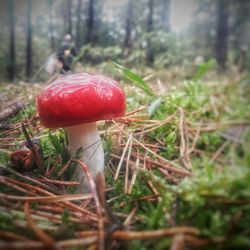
(136,111)
(8,182)
(12,236)
(97,204)
(196,138)
(130,216)
(184,141)
(126,184)
(37,156)
(134,175)
(149,234)
(57,182)
(35,245)
(178,242)
(183,144)
(59,198)
(64,168)
(122,157)
(193,241)
(45,238)
(32,180)
(156,126)
(219,151)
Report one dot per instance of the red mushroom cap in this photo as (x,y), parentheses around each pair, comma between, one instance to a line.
(80,98)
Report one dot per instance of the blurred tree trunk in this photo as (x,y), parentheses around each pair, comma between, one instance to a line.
(78,25)
(51,26)
(29,41)
(90,22)
(150,15)
(240,23)
(127,40)
(64,15)
(69,14)
(239,30)
(222,33)
(150,53)
(12,63)
(166,15)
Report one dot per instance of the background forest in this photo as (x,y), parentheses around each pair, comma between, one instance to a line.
(128,32)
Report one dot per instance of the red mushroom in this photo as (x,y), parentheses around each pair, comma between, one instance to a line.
(76,102)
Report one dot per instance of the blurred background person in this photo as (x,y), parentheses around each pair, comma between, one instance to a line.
(63,59)
(66,54)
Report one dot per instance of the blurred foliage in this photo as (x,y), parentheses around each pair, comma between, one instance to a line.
(96,55)
(169,48)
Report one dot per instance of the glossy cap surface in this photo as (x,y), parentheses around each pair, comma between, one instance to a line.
(80,98)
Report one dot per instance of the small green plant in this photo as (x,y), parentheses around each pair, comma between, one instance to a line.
(134,79)
(204,68)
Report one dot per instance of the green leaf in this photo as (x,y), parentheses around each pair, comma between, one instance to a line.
(134,78)
(203,69)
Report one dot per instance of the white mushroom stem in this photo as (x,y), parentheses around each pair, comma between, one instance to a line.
(86,136)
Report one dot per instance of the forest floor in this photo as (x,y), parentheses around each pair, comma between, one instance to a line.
(177,170)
